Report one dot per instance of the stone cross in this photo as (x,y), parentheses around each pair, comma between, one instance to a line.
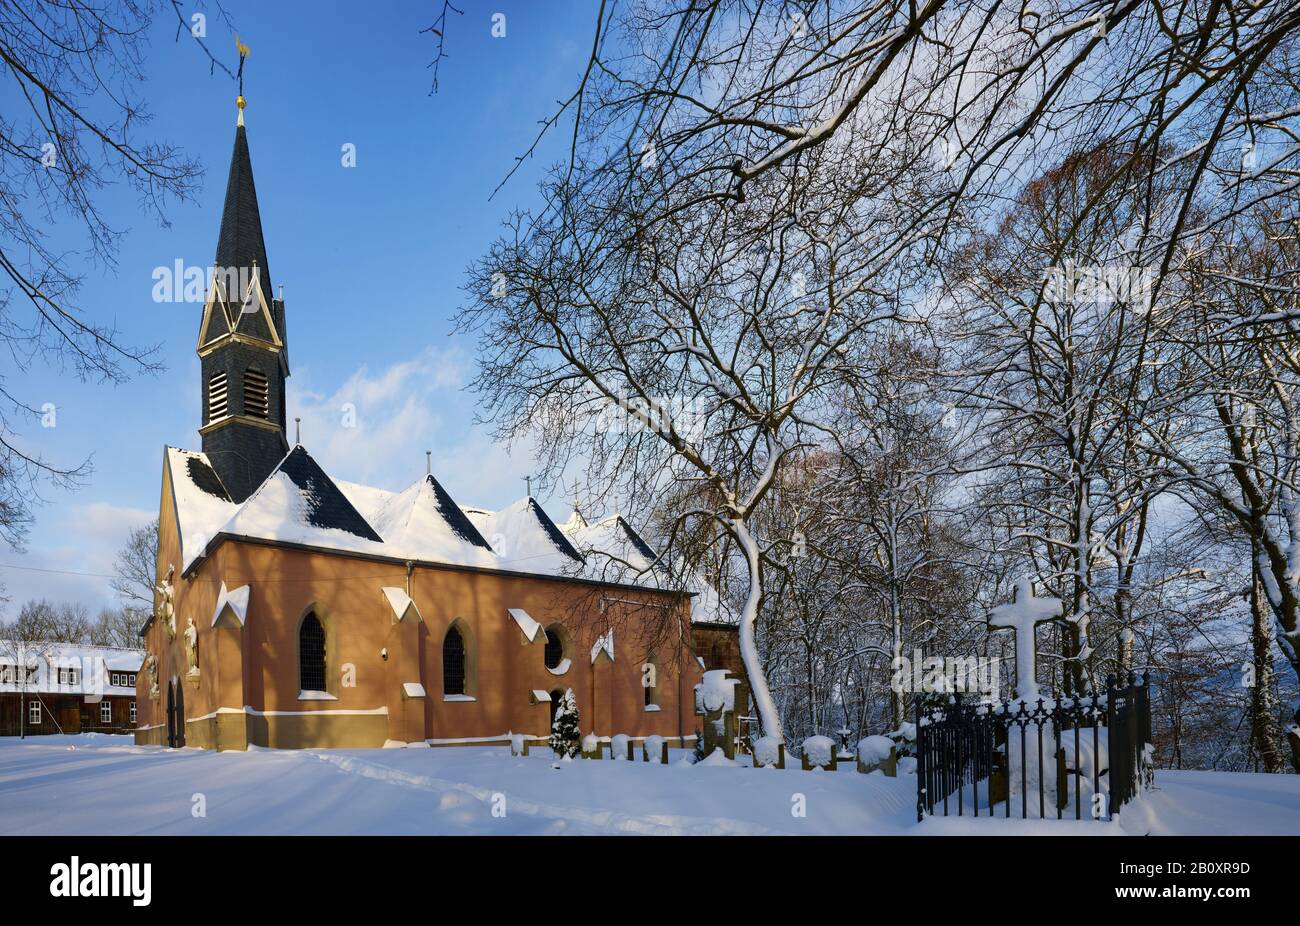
(1022,615)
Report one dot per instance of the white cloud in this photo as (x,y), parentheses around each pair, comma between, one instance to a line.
(375,427)
(74,568)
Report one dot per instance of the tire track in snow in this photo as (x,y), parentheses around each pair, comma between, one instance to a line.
(612,821)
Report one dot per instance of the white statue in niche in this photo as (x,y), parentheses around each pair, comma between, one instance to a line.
(166,605)
(192,645)
(151,673)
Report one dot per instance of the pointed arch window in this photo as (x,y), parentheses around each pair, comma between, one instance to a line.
(311,654)
(217,397)
(453,663)
(256,394)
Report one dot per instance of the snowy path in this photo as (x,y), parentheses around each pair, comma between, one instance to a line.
(101,785)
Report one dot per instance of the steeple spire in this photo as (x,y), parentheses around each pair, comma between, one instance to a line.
(242,347)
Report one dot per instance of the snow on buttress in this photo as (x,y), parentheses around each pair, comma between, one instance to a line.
(398,600)
(236,600)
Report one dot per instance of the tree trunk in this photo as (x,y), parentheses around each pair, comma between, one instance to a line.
(896,715)
(1265,737)
(763,703)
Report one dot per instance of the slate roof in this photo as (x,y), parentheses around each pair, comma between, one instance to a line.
(423,522)
(202,503)
(204,477)
(526,538)
(240,242)
(299,504)
(241,245)
(326,506)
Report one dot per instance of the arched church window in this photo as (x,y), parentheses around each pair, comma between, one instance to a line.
(453,663)
(217,404)
(256,394)
(311,654)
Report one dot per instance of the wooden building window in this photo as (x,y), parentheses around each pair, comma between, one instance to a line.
(106,711)
(311,654)
(132,712)
(256,394)
(453,663)
(34,713)
(218,403)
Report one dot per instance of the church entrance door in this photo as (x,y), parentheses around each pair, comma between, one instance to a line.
(175,715)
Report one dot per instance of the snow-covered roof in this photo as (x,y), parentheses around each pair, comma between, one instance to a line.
(300,504)
(366,499)
(526,539)
(202,503)
(613,551)
(422,522)
(95,666)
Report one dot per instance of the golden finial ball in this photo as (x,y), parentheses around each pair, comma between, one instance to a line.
(239,101)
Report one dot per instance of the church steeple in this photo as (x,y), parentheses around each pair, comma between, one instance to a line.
(241,339)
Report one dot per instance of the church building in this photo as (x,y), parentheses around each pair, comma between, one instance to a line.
(294,609)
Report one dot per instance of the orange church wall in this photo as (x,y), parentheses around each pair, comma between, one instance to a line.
(257,666)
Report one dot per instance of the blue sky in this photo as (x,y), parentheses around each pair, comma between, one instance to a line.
(371,258)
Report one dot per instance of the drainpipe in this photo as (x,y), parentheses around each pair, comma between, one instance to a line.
(410,567)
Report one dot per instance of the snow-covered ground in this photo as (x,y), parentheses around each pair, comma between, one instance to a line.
(94,784)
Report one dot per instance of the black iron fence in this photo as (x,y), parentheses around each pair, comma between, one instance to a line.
(1037,760)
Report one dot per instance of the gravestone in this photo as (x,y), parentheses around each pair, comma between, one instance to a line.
(715,698)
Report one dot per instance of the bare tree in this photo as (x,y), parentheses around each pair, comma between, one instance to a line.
(136,569)
(1059,366)
(1239,449)
(77,126)
(719,151)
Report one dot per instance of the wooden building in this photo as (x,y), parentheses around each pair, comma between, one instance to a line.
(67,688)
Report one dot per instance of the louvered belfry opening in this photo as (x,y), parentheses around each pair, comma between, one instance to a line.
(311,654)
(217,397)
(256,394)
(453,663)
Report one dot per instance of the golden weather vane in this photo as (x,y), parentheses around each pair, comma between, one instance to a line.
(243,53)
